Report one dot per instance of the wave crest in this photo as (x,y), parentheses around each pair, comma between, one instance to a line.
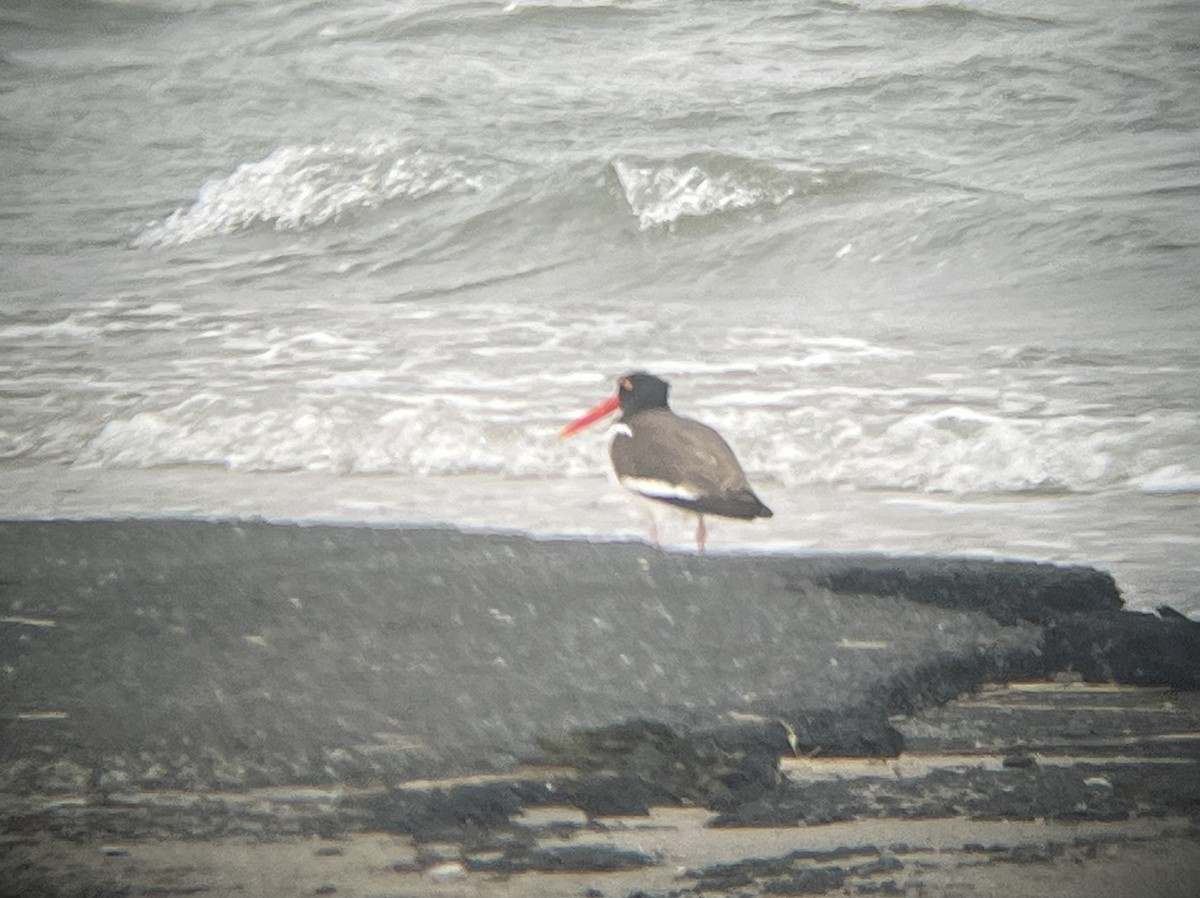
(664,193)
(301,187)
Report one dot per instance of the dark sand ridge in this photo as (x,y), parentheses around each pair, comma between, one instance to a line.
(142,657)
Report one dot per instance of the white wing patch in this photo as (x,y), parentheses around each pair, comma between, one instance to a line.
(659,489)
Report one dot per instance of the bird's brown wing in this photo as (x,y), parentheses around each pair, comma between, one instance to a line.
(684,463)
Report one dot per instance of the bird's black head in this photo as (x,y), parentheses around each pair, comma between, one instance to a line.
(639,391)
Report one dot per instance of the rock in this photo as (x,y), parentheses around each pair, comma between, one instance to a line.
(1007,591)
(389,655)
(1125,647)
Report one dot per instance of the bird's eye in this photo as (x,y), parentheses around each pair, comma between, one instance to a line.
(626,385)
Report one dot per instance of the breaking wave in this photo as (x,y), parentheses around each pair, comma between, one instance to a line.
(302,187)
(954,450)
(663,193)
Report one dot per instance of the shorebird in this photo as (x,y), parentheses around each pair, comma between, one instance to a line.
(658,455)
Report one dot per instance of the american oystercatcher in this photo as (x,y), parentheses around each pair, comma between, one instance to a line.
(658,455)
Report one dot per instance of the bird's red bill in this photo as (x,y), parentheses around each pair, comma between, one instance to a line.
(607,407)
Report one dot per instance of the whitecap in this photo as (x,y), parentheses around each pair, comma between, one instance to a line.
(663,194)
(1169,479)
(301,187)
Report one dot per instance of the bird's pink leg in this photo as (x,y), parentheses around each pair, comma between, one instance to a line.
(654,532)
(701,534)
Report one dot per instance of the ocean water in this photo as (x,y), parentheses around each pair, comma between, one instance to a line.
(933,268)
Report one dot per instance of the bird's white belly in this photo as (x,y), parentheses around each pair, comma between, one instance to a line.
(658,489)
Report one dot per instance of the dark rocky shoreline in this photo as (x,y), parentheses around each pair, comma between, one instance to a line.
(175,679)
